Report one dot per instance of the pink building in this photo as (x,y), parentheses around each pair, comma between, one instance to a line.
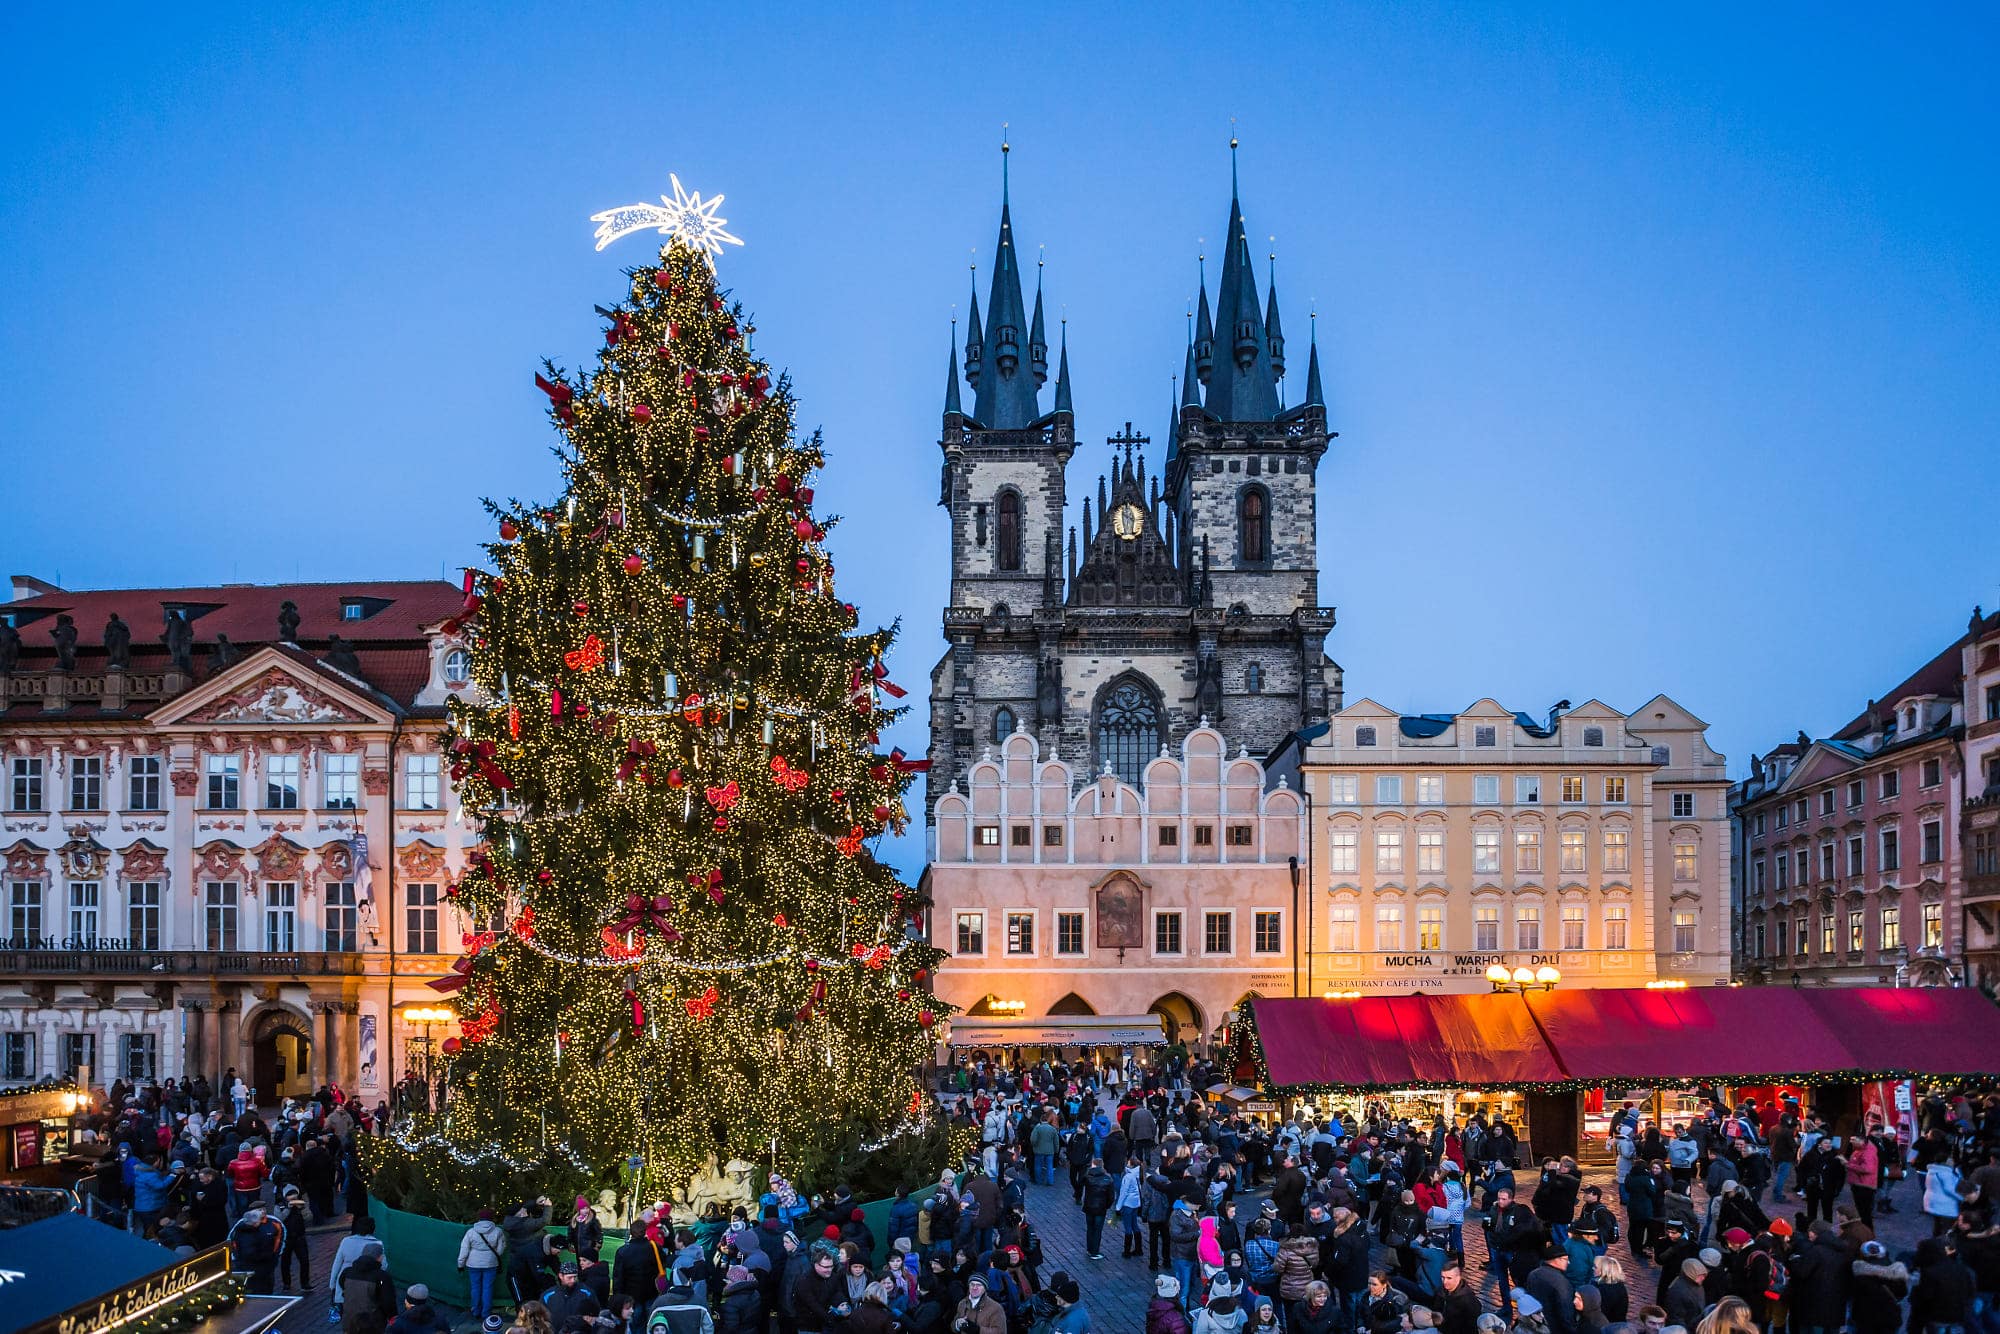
(1062,899)
(1851,871)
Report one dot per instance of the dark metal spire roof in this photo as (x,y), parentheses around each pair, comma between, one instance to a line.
(1005,398)
(1062,366)
(1202,350)
(1313,396)
(1038,337)
(1272,333)
(973,335)
(1241,384)
(951,401)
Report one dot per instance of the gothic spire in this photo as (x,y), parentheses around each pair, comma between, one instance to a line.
(973,336)
(1006,394)
(951,401)
(1202,351)
(1242,387)
(1272,334)
(1038,338)
(1190,384)
(1313,396)
(1062,367)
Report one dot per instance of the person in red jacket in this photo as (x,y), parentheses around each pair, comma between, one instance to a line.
(246,1172)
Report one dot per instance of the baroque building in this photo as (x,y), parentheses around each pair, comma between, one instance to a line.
(1186,596)
(1591,841)
(227,833)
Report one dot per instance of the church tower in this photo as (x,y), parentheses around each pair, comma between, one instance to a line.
(1185,595)
(1003,487)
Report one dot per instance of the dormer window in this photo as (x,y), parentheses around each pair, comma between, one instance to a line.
(360,609)
(1364,736)
(457,667)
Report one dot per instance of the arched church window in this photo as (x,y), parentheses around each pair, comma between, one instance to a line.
(1128,730)
(1253,525)
(1003,723)
(1009,555)
(1253,679)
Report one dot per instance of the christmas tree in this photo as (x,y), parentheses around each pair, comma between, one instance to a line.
(687,952)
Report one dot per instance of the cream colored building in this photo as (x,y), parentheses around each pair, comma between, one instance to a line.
(1061,898)
(1594,842)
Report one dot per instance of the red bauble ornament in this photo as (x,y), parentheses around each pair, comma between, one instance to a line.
(784,485)
(641,413)
(715,303)
(902,993)
(881,814)
(804,530)
(721,823)
(509,530)
(804,565)
(925,1018)
(674,778)
(921,976)
(581,608)
(544,875)
(450,1046)
(634,563)
(812,965)
(837,793)
(805,495)
(661,278)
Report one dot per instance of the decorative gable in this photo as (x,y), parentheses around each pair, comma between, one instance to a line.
(272,698)
(272,688)
(1820,765)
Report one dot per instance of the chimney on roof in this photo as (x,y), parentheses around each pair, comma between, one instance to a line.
(27,586)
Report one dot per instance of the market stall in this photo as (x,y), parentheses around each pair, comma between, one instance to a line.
(1573,1057)
(1107,1039)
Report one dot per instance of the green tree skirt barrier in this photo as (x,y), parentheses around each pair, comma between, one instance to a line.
(424,1250)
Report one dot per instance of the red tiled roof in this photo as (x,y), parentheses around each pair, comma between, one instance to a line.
(390,644)
(1939,676)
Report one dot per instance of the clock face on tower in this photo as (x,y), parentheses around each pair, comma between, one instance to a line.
(1128,520)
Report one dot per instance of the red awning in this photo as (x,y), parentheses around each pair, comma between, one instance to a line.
(1639,1036)
(1932,1030)
(1418,1041)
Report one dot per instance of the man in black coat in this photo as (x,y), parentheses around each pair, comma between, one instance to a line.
(636,1269)
(1820,1277)
(1550,1286)
(1289,1192)
(1512,1230)
(569,1297)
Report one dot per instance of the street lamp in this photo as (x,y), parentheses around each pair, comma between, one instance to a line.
(1524,979)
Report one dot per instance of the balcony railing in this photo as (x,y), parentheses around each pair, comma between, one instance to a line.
(38,961)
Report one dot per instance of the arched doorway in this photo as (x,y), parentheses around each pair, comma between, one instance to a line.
(280,1055)
(1181,1016)
(1072,1004)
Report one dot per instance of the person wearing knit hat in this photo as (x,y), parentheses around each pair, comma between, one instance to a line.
(1166,1285)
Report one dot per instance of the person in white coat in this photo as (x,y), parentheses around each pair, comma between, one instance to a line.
(480,1253)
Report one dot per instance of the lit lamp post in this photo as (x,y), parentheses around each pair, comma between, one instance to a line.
(427,1017)
(1523,980)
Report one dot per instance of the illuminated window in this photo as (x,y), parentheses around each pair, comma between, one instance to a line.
(1389,851)
(1430,790)
(1486,930)
(1687,861)
(1684,924)
(1486,851)
(1528,850)
(1574,858)
(1344,852)
(1614,790)
(1854,931)
(1345,934)
(1892,927)
(1343,790)
(1616,919)
(1389,926)
(1572,788)
(1430,852)
(1527,928)
(1572,926)
(1933,926)
(1430,928)
(1826,930)
(1618,850)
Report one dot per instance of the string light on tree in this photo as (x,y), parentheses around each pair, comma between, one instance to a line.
(672,741)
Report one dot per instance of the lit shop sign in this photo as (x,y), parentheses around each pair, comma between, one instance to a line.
(133,1302)
(1466,965)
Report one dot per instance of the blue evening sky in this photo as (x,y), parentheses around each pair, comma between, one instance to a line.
(1662,343)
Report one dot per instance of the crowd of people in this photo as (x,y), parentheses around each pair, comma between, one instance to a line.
(1363,1228)
(1739,1219)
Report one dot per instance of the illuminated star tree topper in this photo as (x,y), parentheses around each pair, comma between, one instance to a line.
(688,217)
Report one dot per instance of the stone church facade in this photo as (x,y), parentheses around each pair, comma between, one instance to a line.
(1188,593)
